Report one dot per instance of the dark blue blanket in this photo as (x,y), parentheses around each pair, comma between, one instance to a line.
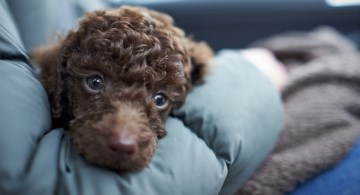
(344,179)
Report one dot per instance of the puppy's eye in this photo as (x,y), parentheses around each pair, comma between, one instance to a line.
(95,83)
(160,101)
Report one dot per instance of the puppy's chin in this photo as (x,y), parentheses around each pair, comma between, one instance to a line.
(92,143)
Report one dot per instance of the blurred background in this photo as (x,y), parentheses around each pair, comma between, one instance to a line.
(222,23)
(236,23)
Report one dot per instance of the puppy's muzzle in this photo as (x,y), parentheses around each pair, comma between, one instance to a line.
(128,130)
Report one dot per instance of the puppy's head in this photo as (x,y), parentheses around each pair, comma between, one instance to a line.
(115,79)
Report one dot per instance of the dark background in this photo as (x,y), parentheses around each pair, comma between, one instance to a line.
(236,23)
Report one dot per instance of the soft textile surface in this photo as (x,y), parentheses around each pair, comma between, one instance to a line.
(322,109)
(344,179)
(214,142)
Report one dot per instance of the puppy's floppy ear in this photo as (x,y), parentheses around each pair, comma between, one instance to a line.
(52,66)
(200,56)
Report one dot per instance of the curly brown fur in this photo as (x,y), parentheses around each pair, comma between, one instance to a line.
(138,53)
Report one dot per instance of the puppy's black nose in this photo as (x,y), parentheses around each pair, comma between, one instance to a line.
(123,144)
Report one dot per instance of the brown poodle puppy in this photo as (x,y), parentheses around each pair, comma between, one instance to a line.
(114,80)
